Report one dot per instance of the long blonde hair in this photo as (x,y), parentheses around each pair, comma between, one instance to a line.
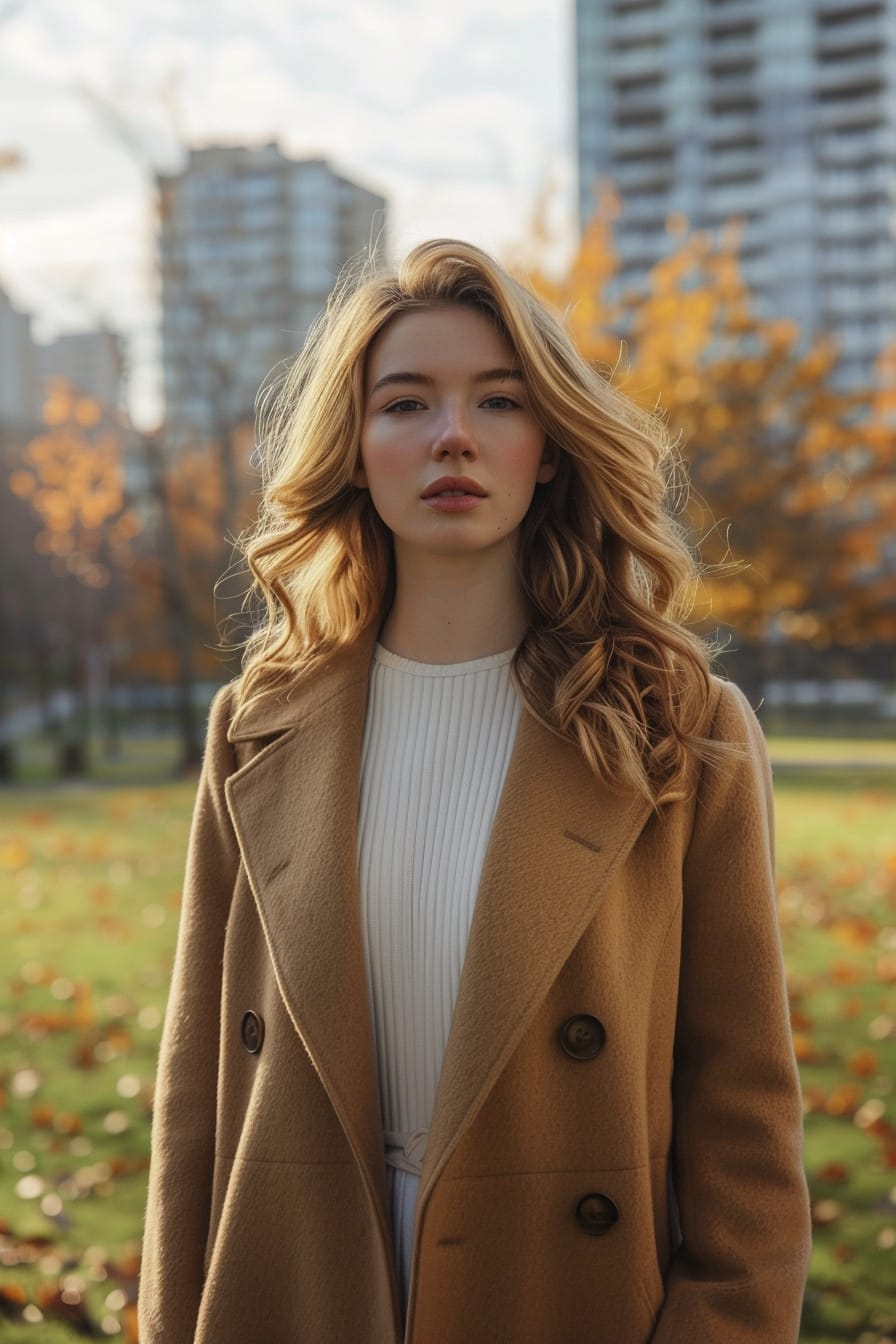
(606,662)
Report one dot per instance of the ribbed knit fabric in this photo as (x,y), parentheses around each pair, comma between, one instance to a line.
(437,743)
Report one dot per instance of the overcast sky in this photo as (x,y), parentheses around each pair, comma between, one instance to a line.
(459,112)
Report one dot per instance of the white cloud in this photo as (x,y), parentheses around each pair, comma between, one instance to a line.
(457,112)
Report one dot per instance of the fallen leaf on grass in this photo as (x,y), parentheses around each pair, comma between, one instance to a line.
(886,968)
(858,931)
(12,1299)
(863,1064)
(843,1100)
(67,1306)
(37,817)
(834,1173)
(847,973)
(14,854)
(68,1123)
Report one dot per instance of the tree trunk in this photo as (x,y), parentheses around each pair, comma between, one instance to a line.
(177,608)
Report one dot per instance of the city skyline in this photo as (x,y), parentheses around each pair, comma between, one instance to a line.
(459,118)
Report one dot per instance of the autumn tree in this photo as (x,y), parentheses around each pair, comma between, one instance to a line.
(195,501)
(71,476)
(791,499)
(122,542)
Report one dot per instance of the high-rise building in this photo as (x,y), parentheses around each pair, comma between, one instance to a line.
(251,243)
(781,113)
(90,360)
(18,368)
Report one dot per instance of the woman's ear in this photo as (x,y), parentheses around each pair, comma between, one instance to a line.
(547,468)
(359,476)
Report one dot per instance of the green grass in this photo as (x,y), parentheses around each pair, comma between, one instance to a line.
(86,935)
(145,758)
(839,750)
(85,945)
(837,897)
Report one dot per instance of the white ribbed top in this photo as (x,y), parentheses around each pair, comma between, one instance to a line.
(437,743)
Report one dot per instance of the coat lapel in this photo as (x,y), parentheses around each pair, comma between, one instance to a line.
(294,808)
(558,836)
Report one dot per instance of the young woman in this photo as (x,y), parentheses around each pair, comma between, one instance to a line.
(478,1028)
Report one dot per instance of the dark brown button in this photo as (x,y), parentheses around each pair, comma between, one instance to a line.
(583,1036)
(252,1031)
(596,1214)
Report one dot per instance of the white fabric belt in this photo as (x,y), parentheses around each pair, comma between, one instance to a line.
(405,1149)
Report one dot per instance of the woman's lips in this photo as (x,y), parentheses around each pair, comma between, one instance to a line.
(452,503)
(454,485)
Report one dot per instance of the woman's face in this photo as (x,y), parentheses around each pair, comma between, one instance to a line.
(450,449)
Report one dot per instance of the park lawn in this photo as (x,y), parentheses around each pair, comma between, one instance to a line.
(835,750)
(837,903)
(94,877)
(86,937)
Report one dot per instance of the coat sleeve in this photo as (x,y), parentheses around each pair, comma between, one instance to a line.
(184,1109)
(739,1274)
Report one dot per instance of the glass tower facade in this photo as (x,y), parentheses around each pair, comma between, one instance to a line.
(250,243)
(781,113)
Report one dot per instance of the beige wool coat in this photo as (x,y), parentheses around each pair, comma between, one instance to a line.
(615,1153)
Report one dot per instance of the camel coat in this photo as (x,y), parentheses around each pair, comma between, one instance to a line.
(615,1152)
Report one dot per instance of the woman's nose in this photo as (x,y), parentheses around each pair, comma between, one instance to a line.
(454,435)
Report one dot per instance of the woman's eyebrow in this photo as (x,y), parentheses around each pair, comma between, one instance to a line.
(389,378)
(487,376)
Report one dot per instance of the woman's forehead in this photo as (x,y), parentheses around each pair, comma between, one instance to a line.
(438,340)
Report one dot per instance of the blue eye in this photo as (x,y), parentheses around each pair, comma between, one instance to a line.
(506,403)
(404,404)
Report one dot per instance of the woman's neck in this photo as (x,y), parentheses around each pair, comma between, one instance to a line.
(454,612)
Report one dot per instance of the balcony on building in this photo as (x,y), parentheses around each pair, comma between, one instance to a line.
(632,24)
(864,259)
(735,43)
(830,38)
(854,223)
(842,13)
(855,106)
(863,71)
(727,165)
(862,187)
(854,145)
(731,122)
(871,301)
(634,139)
(643,62)
(656,173)
(730,19)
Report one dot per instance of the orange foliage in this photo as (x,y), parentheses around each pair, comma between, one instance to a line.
(73,477)
(793,493)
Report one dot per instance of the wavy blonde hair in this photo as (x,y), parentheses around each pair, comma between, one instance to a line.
(606,662)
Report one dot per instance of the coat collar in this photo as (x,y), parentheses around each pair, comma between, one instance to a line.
(350,666)
(558,837)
